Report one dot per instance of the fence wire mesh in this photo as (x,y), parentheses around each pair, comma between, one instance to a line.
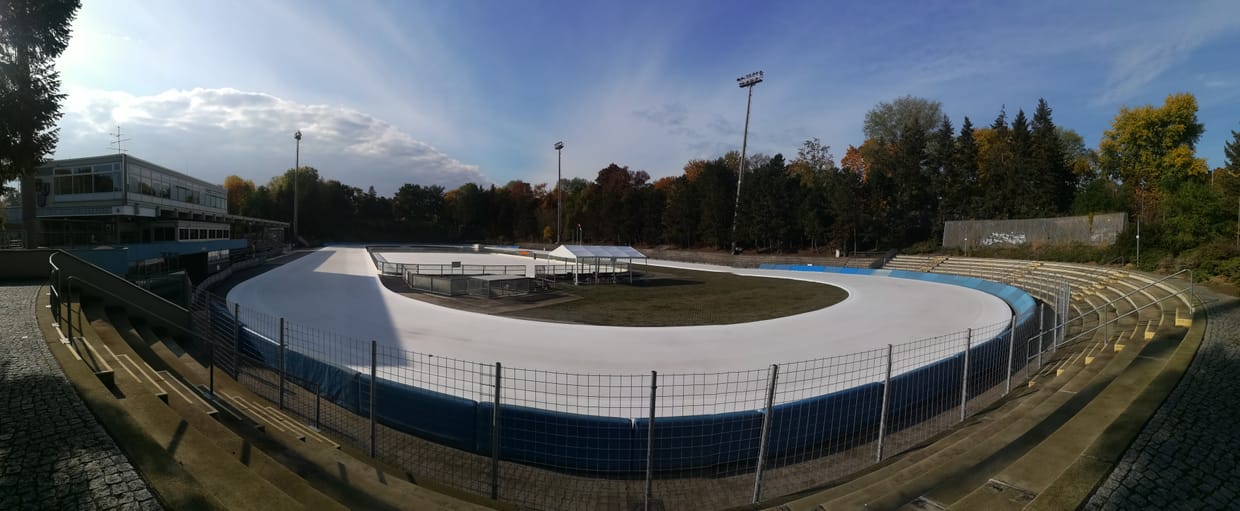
(620,441)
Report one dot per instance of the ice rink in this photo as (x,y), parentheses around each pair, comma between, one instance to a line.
(337,289)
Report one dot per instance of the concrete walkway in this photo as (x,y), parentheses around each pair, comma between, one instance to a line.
(53,453)
(1188,455)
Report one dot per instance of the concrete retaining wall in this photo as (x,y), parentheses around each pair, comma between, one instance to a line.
(1100,229)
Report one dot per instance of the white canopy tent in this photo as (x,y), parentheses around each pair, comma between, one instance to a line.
(598,260)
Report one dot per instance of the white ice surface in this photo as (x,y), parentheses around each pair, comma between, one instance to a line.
(337,289)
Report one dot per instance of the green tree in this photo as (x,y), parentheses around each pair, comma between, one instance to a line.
(419,211)
(1231,150)
(941,165)
(1026,197)
(1049,163)
(995,164)
(1150,147)
(961,193)
(1082,162)
(33,34)
(766,220)
(716,189)
(1195,213)
(681,215)
(811,170)
(888,122)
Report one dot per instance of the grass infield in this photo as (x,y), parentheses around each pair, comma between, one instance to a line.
(677,297)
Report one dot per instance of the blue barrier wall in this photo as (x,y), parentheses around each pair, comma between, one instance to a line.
(617,447)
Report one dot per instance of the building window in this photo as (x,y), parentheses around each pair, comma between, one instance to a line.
(86,180)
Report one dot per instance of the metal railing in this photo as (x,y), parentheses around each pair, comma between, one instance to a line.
(560,440)
(572,441)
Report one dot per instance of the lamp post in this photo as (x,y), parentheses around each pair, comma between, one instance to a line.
(296,171)
(559,193)
(745,82)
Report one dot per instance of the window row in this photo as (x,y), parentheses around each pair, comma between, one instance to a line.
(202,234)
(87,183)
(149,182)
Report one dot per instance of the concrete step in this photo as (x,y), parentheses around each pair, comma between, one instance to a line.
(1079,480)
(911,467)
(982,454)
(83,349)
(233,483)
(202,416)
(1042,465)
(313,455)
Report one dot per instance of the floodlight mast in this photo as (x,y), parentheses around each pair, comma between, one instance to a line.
(296,171)
(559,193)
(744,82)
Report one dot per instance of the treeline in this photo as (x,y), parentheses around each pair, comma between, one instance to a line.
(915,171)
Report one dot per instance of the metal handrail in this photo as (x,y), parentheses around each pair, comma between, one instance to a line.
(124,301)
(111,276)
(1118,316)
(1147,286)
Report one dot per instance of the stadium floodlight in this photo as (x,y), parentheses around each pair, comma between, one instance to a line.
(559,193)
(296,171)
(744,82)
(750,79)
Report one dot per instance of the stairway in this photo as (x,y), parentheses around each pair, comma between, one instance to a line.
(227,450)
(1045,446)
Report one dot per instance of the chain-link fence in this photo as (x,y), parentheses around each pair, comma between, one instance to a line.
(618,441)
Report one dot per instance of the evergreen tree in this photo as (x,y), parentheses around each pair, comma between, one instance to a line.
(995,160)
(965,193)
(33,34)
(942,174)
(1024,194)
(1231,150)
(1055,180)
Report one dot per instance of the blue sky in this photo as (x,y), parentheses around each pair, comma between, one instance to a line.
(445,92)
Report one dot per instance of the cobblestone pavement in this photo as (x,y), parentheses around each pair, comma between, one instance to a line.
(1188,455)
(53,453)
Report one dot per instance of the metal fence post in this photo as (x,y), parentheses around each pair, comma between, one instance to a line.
(1041,331)
(374,348)
(495,435)
(69,310)
(211,368)
(882,414)
(1106,327)
(318,397)
(282,348)
(766,432)
(1011,352)
(237,339)
(1192,292)
(964,379)
(654,386)
(81,316)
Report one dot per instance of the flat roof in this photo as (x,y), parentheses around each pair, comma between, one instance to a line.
(592,251)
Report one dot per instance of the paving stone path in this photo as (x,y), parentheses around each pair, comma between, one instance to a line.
(1188,455)
(53,453)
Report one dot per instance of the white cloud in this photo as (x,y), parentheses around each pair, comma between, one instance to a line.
(210,133)
(1150,49)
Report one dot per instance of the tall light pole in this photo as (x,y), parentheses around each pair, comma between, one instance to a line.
(296,171)
(559,193)
(745,82)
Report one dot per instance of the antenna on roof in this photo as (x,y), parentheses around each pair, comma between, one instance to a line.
(117,140)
